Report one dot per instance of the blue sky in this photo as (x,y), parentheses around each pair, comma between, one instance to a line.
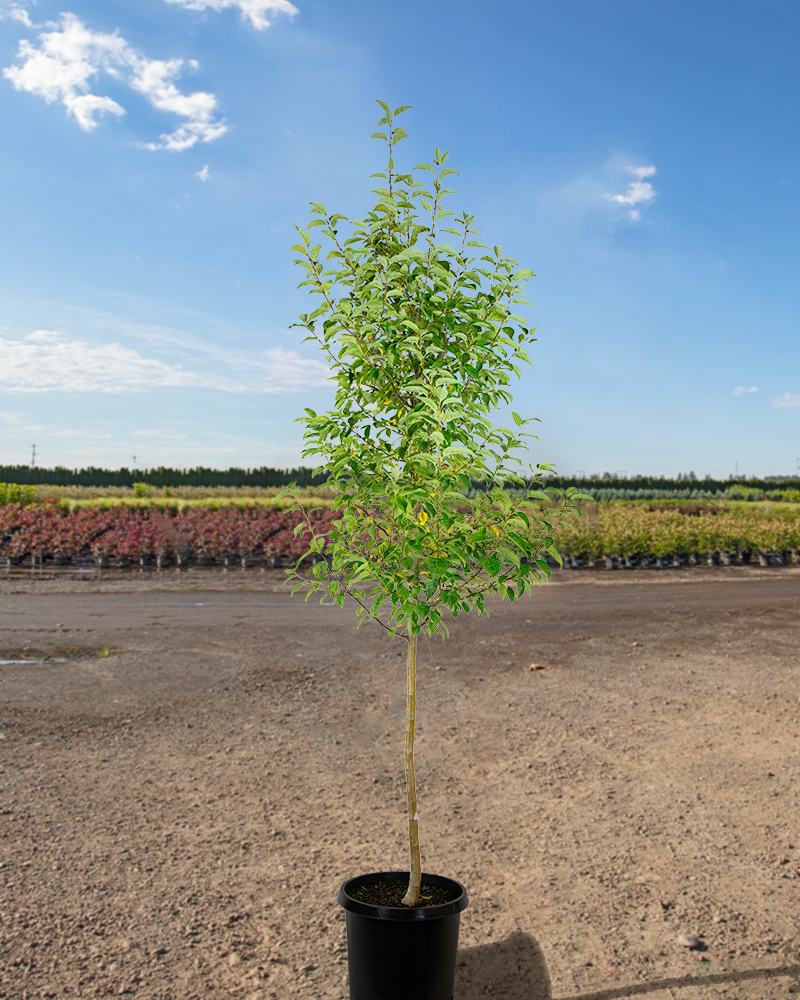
(641,158)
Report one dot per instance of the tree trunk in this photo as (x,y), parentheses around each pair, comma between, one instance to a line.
(411,897)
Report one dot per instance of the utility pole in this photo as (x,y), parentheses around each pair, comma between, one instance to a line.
(33,457)
(134,461)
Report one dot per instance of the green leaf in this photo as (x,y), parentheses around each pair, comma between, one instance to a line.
(378,135)
(422,351)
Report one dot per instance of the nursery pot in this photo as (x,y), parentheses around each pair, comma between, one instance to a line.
(402,952)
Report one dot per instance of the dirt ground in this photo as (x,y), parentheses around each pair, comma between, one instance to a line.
(176,818)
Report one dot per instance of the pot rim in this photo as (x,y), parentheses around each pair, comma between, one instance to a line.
(352,905)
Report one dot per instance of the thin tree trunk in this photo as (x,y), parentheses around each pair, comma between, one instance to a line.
(411,897)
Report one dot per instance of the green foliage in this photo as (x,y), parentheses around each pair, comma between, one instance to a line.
(177,504)
(140,490)
(14,493)
(623,528)
(423,339)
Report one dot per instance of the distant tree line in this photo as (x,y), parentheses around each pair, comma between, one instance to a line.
(26,475)
(681,483)
(605,486)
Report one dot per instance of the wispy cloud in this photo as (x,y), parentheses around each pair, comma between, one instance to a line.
(786,401)
(638,192)
(16,10)
(203,173)
(742,390)
(255,10)
(18,421)
(285,371)
(47,361)
(71,55)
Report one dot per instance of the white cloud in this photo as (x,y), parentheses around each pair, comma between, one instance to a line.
(46,361)
(786,401)
(639,191)
(286,371)
(203,173)
(741,390)
(16,10)
(71,55)
(255,10)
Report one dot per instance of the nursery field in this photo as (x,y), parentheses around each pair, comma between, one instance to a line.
(198,761)
(255,531)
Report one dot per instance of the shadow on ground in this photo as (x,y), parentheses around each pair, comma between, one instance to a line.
(514,969)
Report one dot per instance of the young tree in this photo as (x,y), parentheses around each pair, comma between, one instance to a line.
(422,338)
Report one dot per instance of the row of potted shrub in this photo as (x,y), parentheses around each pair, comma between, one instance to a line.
(617,535)
(123,536)
(627,533)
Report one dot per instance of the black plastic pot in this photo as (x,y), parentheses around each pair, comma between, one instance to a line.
(401,952)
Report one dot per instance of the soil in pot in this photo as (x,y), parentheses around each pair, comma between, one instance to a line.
(391,893)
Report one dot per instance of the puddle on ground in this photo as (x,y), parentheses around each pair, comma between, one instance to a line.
(61,659)
(21,655)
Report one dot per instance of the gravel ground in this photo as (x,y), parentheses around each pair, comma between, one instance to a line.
(176,817)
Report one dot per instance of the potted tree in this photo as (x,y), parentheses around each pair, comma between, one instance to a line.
(422,337)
